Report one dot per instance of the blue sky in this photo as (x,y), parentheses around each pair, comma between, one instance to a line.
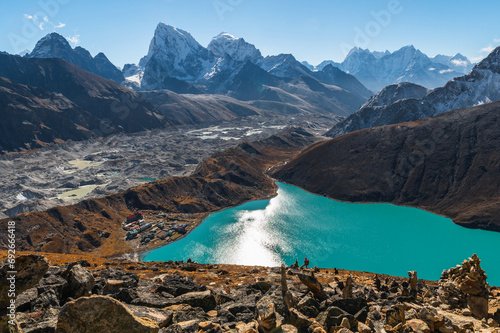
(310,30)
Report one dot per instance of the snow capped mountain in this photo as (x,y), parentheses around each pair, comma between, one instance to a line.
(56,46)
(458,62)
(283,65)
(52,46)
(237,48)
(480,86)
(377,70)
(404,65)
(176,61)
(174,53)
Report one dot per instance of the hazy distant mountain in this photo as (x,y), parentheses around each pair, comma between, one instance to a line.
(377,70)
(404,65)
(56,46)
(480,86)
(334,76)
(291,95)
(458,62)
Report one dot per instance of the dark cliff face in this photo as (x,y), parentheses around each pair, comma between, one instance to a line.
(448,164)
(116,108)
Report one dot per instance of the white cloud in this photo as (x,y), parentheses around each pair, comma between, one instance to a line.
(496,40)
(443,71)
(75,39)
(44,23)
(476,59)
(487,49)
(458,62)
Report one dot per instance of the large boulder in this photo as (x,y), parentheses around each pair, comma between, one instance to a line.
(177,285)
(418,326)
(80,282)
(101,314)
(201,299)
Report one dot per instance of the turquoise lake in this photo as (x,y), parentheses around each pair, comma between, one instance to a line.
(379,238)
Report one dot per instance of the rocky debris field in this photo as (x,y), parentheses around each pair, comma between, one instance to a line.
(122,296)
(63,174)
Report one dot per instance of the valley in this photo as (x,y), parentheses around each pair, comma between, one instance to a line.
(78,170)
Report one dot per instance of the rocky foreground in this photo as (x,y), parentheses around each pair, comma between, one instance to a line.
(120,296)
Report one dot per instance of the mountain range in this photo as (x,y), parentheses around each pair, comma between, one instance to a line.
(377,70)
(56,46)
(181,82)
(411,102)
(234,67)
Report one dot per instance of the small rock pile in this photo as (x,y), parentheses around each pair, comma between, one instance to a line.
(465,286)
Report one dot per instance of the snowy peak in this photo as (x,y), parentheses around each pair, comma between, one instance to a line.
(283,65)
(174,54)
(171,41)
(51,46)
(237,48)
